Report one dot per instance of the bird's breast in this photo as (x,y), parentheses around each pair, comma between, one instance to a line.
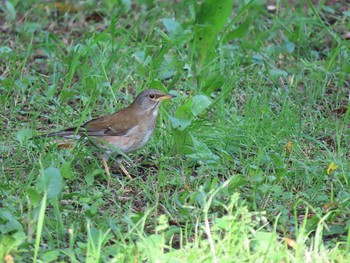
(134,139)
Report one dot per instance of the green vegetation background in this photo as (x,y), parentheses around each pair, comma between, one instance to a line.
(249,162)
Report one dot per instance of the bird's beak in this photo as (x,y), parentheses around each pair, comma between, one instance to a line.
(166,97)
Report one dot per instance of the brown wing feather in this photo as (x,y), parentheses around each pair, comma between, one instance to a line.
(117,124)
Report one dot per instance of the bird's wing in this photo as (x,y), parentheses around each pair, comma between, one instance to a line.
(117,124)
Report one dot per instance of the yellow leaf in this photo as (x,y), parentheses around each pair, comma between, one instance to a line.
(331,168)
(9,259)
(290,242)
(288,147)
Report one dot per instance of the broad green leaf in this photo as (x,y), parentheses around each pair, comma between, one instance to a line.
(334,230)
(54,185)
(142,57)
(8,223)
(50,255)
(11,11)
(127,5)
(277,189)
(167,67)
(90,177)
(184,111)
(172,27)
(278,73)
(5,49)
(202,153)
(263,240)
(28,27)
(311,223)
(34,196)
(344,196)
(212,81)
(170,24)
(264,188)
(200,197)
(11,241)
(51,182)
(199,104)
(210,20)
(240,31)
(258,59)
(162,223)
(193,106)
(179,124)
(66,170)
(289,46)
(156,84)
(24,134)
(224,222)
(328,9)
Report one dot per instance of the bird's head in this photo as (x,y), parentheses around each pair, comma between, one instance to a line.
(150,99)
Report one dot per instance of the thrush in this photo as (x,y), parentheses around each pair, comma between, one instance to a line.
(124,131)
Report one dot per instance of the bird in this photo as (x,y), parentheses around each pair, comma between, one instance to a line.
(124,131)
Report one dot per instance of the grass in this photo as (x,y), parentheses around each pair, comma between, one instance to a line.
(248,163)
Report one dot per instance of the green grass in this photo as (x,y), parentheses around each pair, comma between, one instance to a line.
(217,182)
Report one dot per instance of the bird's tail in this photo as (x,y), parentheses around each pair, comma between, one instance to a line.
(70,133)
(64,138)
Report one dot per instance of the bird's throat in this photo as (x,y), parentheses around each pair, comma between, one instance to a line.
(155,108)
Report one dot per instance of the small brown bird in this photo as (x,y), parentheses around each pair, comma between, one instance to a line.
(126,130)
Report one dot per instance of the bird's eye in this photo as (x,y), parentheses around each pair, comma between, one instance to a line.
(151,96)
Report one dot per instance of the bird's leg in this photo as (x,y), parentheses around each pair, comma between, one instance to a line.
(106,167)
(119,162)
